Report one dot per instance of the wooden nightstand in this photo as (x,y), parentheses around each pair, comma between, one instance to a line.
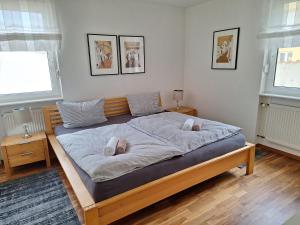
(17,151)
(183,109)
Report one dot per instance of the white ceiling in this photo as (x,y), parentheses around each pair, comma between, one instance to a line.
(180,3)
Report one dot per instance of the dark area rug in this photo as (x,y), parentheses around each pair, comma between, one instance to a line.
(37,199)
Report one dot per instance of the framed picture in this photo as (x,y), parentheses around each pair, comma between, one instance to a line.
(132,52)
(103,54)
(225,49)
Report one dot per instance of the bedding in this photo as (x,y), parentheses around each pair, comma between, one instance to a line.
(144,104)
(109,188)
(87,149)
(81,114)
(151,139)
(167,127)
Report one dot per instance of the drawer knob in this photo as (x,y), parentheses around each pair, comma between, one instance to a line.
(26,154)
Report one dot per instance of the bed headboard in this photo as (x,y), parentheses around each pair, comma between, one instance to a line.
(112,107)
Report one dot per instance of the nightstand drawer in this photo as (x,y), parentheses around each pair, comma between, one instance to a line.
(25,153)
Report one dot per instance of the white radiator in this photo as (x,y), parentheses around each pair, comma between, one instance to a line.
(281,125)
(12,128)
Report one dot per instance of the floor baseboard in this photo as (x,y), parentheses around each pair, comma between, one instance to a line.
(277,151)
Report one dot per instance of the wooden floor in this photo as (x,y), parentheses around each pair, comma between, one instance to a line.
(269,197)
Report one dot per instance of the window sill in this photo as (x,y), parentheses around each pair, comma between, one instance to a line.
(31,101)
(279,96)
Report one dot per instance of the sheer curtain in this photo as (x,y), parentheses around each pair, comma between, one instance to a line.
(30,25)
(281,18)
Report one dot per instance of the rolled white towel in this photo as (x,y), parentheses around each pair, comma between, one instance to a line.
(188,125)
(111,146)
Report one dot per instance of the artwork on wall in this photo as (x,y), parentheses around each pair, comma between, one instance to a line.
(225,49)
(132,53)
(103,54)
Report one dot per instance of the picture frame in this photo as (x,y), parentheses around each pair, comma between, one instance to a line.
(103,54)
(132,54)
(225,49)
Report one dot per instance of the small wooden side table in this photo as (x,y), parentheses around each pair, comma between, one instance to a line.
(184,109)
(18,151)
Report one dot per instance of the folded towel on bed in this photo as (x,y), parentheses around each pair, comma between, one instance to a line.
(196,127)
(188,125)
(111,147)
(121,146)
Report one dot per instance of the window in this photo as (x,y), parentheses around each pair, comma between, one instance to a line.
(281,73)
(283,57)
(25,76)
(288,68)
(29,51)
(24,72)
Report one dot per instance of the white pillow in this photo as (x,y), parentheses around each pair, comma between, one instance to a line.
(82,114)
(144,104)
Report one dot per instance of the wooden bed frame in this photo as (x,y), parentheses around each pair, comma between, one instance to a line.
(119,206)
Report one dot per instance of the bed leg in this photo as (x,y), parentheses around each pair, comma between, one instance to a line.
(251,158)
(91,216)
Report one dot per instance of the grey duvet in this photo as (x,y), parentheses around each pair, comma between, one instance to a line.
(167,128)
(151,139)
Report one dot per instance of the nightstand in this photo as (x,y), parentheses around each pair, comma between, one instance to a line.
(17,151)
(183,109)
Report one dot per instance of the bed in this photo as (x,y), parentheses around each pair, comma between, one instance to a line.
(108,201)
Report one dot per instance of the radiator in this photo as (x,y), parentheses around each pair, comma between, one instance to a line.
(281,125)
(12,128)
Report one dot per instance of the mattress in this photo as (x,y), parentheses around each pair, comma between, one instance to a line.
(104,190)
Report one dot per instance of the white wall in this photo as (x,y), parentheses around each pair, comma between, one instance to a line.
(228,96)
(162,26)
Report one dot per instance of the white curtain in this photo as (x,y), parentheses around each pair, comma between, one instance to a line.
(280,29)
(282,18)
(30,25)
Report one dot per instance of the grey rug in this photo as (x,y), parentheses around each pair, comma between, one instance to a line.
(37,199)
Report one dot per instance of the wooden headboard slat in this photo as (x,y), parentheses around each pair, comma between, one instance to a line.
(116,106)
(112,107)
(56,121)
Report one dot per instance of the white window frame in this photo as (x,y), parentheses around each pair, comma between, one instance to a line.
(269,71)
